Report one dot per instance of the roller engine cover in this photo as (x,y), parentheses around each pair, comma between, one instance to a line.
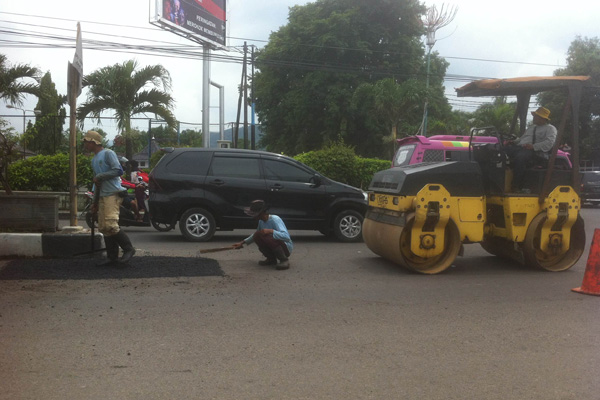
(461,179)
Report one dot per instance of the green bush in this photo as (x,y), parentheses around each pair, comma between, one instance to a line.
(367,167)
(155,158)
(340,163)
(48,173)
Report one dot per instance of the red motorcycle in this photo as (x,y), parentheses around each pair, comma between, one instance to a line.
(127,216)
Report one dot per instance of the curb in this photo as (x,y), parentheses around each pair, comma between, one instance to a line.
(56,245)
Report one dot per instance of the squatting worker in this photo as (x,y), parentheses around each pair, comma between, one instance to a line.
(107,180)
(538,139)
(271,236)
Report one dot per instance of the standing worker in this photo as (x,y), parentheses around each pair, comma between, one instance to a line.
(271,236)
(107,180)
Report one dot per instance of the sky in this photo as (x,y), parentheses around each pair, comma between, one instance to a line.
(485,40)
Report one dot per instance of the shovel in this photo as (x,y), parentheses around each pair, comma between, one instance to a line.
(215,249)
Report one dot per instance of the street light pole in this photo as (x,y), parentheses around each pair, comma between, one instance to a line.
(433,21)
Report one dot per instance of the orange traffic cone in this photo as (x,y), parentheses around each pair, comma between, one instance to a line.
(591,278)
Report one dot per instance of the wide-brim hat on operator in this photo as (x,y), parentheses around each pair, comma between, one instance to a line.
(542,112)
(93,136)
(256,208)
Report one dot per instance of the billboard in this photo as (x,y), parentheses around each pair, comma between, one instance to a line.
(200,20)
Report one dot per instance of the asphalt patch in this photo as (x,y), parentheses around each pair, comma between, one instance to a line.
(86,269)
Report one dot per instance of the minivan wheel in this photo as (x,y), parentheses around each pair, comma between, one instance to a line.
(348,226)
(197,225)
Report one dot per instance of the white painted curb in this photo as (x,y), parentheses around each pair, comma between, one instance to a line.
(21,244)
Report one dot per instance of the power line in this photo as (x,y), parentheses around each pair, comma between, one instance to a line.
(257,40)
(169,49)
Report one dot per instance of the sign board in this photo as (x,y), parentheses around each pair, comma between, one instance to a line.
(75,71)
(203,21)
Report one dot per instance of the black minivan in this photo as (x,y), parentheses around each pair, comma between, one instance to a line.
(208,189)
(590,187)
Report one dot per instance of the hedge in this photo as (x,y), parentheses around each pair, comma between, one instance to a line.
(340,163)
(48,173)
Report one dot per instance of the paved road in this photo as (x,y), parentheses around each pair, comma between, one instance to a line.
(340,324)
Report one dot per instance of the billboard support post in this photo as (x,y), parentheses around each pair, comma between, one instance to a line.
(206,96)
(221,109)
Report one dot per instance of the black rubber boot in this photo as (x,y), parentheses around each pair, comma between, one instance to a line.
(128,250)
(268,261)
(112,252)
(283,263)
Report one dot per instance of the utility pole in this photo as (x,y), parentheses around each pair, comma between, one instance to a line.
(149,141)
(239,110)
(245,91)
(253,122)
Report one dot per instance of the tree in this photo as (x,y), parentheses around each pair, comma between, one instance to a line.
(191,138)
(456,123)
(164,136)
(498,114)
(46,136)
(392,105)
(15,81)
(123,89)
(8,152)
(137,138)
(583,58)
(310,69)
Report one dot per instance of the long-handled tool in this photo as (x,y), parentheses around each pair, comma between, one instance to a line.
(216,249)
(94,219)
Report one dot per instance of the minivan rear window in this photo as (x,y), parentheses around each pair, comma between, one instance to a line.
(190,163)
(282,171)
(236,167)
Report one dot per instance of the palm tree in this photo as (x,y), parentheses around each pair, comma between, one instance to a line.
(498,114)
(12,87)
(123,88)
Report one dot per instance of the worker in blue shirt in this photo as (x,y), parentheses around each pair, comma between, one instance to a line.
(107,184)
(271,236)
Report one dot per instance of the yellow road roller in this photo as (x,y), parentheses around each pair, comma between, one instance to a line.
(421,215)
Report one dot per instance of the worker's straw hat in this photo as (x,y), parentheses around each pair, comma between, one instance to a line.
(93,136)
(542,112)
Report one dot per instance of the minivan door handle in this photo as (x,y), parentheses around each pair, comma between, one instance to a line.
(276,187)
(217,182)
